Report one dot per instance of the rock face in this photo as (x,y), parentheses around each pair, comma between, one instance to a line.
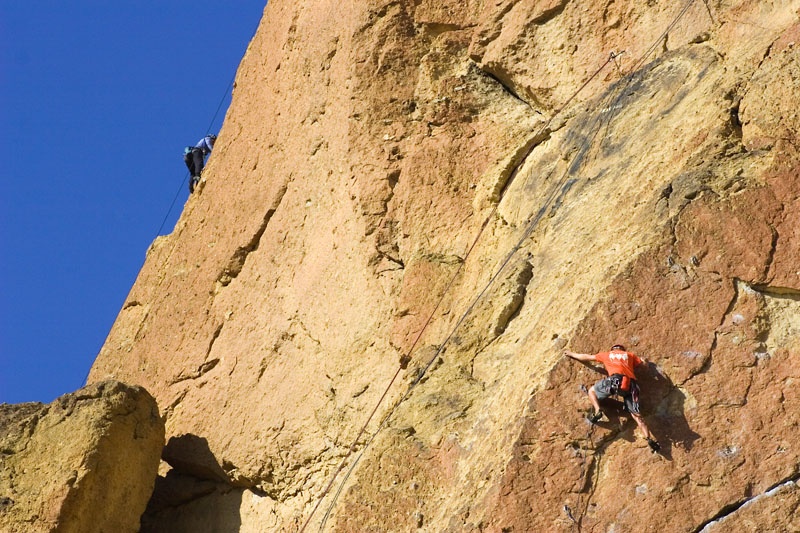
(480,184)
(85,463)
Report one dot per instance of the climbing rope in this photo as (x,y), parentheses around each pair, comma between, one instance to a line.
(432,314)
(529,230)
(208,131)
(671,25)
(533,223)
(186,176)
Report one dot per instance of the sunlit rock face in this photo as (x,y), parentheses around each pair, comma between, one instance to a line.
(481,185)
(85,463)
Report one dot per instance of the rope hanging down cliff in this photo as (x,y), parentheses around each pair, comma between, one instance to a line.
(186,176)
(615,96)
(530,227)
(208,130)
(441,299)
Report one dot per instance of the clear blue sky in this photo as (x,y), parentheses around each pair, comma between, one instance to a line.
(97,101)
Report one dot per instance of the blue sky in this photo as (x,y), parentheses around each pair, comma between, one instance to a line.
(97,101)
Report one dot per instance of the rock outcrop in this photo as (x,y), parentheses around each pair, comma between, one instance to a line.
(480,184)
(85,463)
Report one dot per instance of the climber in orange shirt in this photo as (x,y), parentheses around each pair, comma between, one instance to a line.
(621,381)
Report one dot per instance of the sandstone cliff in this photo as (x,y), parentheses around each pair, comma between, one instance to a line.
(85,463)
(482,184)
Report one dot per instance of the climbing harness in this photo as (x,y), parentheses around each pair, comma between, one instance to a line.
(620,383)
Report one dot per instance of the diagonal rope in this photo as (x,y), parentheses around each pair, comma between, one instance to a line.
(186,176)
(531,227)
(225,94)
(513,174)
(588,141)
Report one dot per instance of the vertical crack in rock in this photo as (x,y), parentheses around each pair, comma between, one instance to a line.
(732,508)
(589,488)
(771,255)
(737,283)
(735,119)
(591,483)
(374,211)
(214,338)
(495,309)
(239,257)
(387,248)
(764,57)
(709,361)
(515,163)
(519,288)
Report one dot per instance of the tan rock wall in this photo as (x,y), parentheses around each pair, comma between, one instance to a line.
(85,463)
(364,150)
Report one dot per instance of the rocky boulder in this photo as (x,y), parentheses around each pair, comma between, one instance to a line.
(85,463)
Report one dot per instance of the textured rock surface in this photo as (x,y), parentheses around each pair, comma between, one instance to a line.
(774,510)
(365,151)
(84,463)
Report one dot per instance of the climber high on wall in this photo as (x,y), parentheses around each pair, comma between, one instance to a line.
(194,157)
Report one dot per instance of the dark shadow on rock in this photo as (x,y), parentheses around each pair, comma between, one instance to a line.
(184,504)
(195,495)
(190,454)
(664,409)
(175,490)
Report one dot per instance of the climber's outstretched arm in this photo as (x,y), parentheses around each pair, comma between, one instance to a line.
(580,356)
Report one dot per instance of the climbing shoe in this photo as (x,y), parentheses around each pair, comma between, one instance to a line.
(654,445)
(595,417)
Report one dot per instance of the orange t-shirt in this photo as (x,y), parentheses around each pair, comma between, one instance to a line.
(619,362)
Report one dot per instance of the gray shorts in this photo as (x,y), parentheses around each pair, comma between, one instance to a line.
(606,387)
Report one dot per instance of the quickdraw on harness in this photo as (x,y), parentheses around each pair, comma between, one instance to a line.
(622,385)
